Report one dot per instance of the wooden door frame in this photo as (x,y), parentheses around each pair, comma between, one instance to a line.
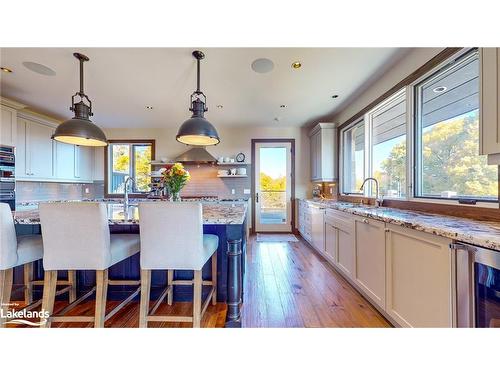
(292,177)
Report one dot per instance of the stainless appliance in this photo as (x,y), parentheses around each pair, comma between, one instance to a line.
(478,286)
(7,176)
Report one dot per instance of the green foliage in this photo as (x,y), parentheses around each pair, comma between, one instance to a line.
(451,160)
(143,168)
(273,191)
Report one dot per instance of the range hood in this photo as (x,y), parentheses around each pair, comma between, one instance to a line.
(195,155)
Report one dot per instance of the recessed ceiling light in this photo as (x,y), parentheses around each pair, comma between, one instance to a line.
(39,68)
(440,89)
(5,70)
(335,96)
(296,64)
(277,119)
(149,107)
(283,106)
(262,65)
(220,106)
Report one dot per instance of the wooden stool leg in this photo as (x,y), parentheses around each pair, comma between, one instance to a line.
(100,297)
(145,295)
(197,299)
(28,283)
(170,279)
(5,291)
(214,278)
(49,295)
(72,291)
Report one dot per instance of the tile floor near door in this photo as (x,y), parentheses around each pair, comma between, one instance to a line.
(286,285)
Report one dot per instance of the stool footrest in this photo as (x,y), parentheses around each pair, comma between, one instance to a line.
(169,318)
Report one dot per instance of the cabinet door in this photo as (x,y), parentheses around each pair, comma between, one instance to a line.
(345,252)
(8,126)
(22,169)
(419,279)
(318,228)
(489,108)
(84,162)
(39,146)
(314,144)
(98,170)
(370,259)
(331,241)
(65,161)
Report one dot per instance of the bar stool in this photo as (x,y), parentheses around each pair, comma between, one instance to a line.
(76,237)
(172,239)
(17,251)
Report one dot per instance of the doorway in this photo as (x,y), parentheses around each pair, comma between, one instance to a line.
(273,185)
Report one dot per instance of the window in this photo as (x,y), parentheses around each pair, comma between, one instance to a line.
(353,174)
(448,164)
(388,146)
(129,158)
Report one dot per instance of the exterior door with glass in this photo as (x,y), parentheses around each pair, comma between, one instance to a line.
(273,187)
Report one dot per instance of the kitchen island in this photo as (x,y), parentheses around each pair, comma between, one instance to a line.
(227,220)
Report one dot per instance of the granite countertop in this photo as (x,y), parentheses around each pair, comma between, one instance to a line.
(475,232)
(222,212)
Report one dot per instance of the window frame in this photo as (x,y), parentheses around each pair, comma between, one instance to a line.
(411,139)
(107,166)
(341,154)
(414,145)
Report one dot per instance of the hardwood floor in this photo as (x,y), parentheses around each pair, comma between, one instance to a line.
(286,285)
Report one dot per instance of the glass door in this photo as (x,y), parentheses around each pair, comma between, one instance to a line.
(273,187)
(487,295)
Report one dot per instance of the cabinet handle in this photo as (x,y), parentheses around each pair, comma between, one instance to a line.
(366,221)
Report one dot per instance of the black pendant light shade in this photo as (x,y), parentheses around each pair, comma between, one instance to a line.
(80,130)
(198,131)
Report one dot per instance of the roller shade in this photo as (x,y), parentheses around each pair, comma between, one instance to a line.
(461,95)
(389,121)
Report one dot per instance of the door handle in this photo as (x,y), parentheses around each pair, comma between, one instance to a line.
(257,197)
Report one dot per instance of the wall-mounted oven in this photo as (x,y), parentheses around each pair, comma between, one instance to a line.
(478,286)
(7,176)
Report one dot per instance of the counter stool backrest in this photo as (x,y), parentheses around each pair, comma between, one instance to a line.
(8,241)
(171,235)
(75,236)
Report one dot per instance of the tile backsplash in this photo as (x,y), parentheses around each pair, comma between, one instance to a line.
(27,191)
(204,181)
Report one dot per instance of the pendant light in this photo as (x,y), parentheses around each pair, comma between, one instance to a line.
(80,130)
(197,131)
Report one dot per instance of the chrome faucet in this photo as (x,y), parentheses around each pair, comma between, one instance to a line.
(125,193)
(378,200)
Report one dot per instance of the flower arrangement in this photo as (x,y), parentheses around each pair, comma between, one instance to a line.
(175,177)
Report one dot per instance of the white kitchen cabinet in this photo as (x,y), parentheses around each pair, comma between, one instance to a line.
(22,170)
(8,126)
(339,244)
(317,227)
(489,114)
(39,150)
(305,220)
(370,258)
(84,162)
(331,241)
(419,278)
(98,169)
(323,145)
(65,156)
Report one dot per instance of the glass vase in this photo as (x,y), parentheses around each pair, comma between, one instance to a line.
(175,196)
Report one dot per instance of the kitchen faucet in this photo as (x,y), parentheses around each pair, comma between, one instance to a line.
(125,193)
(378,201)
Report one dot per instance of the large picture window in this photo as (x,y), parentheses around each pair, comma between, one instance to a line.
(448,164)
(129,158)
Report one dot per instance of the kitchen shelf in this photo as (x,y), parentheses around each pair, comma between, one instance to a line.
(233,176)
(235,163)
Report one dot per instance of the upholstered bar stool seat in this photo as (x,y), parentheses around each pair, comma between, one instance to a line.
(19,251)
(172,239)
(76,237)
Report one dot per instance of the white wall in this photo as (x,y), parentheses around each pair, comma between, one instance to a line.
(403,68)
(233,141)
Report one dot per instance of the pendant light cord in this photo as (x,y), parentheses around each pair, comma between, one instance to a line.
(81,76)
(198,76)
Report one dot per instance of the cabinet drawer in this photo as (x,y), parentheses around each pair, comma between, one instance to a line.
(340,219)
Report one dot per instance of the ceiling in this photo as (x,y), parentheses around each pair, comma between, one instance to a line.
(121,82)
